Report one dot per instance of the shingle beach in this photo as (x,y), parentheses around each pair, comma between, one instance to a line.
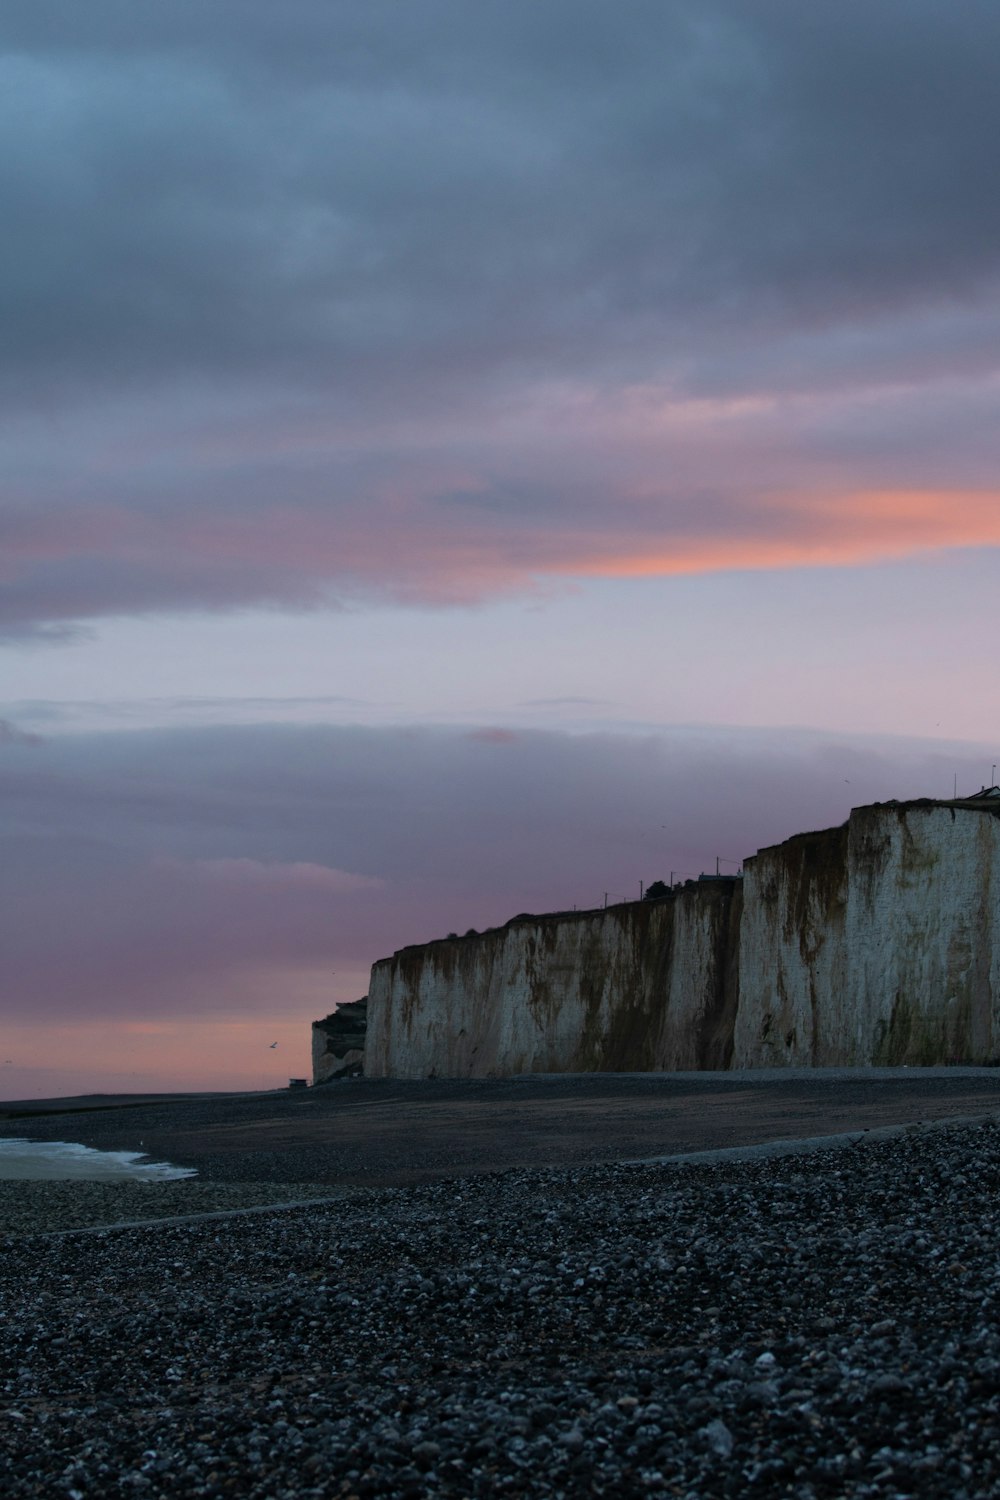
(819,1325)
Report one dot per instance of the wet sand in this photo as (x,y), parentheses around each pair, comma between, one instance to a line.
(386,1133)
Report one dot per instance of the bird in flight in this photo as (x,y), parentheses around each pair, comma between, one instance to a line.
(273,1045)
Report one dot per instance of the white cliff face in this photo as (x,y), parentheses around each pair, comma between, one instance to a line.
(572,992)
(923,933)
(793,954)
(695,1028)
(875,943)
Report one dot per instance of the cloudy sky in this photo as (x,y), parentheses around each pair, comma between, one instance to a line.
(463,459)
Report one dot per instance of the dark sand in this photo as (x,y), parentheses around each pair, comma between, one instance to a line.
(385,1133)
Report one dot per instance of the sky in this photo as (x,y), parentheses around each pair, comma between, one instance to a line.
(459,460)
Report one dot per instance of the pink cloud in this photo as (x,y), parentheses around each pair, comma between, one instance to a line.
(562,483)
(817,530)
(305,557)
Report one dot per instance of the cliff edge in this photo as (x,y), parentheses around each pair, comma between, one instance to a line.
(877,942)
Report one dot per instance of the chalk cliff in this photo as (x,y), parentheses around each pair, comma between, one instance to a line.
(793,954)
(876,942)
(645,986)
(338,1042)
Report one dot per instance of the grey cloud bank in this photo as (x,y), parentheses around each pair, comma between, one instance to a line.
(361,299)
(331,183)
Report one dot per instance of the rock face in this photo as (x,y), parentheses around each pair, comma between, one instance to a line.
(634,988)
(877,942)
(338,1042)
(793,954)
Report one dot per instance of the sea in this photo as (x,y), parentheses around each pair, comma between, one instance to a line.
(67,1161)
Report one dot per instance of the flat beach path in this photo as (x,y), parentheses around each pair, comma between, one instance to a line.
(390,1133)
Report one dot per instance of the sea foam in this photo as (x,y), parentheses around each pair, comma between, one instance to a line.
(66,1160)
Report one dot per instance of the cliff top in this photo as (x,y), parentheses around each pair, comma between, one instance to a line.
(551,918)
(985,801)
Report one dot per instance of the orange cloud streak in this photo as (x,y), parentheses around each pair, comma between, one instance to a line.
(868,526)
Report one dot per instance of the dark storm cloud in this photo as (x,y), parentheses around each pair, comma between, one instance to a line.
(147,874)
(294,262)
(320,187)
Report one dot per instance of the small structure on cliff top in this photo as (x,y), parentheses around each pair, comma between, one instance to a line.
(877,942)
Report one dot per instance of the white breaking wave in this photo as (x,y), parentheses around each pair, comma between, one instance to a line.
(67,1160)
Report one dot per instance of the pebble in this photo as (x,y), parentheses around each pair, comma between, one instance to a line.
(819,1329)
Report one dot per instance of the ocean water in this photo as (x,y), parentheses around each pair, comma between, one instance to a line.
(65,1161)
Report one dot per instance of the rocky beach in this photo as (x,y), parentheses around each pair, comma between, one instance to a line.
(817,1324)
